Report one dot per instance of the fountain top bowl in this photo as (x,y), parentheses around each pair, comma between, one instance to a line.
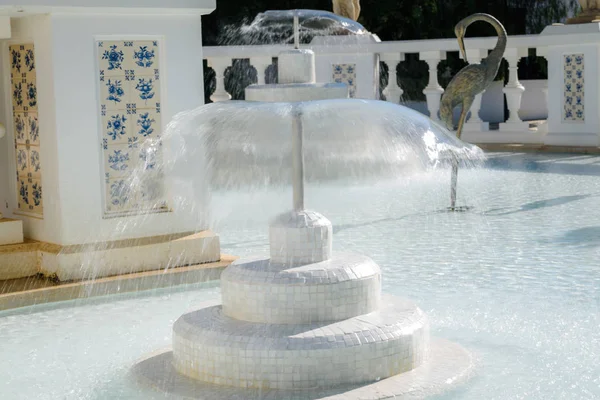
(276,27)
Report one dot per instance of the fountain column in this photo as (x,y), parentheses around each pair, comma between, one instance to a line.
(393,92)
(514,91)
(219,65)
(433,91)
(297,161)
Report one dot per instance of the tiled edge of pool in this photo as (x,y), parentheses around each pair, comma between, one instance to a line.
(116,284)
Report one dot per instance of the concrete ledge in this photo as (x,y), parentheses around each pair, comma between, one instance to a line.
(99,260)
(53,291)
(11,231)
(537,148)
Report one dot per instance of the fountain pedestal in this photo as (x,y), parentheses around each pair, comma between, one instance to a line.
(94,85)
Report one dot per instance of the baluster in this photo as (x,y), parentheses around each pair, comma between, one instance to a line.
(475,123)
(433,91)
(543,126)
(261,64)
(514,91)
(393,92)
(219,65)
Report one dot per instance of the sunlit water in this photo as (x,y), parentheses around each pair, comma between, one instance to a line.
(515,280)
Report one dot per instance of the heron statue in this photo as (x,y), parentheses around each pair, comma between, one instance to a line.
(468,83)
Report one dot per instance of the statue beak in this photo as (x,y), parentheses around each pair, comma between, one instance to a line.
(461,44)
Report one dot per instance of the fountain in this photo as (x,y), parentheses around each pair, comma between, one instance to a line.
(305,321)
(276,26)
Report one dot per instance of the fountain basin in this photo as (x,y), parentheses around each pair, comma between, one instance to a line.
(213,348)
(258,290)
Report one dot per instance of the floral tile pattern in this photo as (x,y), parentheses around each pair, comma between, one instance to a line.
(26,128)
(345,73)
(130,109)
(574,99)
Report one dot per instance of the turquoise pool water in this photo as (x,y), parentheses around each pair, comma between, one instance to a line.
(516,280)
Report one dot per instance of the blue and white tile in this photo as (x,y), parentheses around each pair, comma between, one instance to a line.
(31,97)
(35,165)
(32,128)
(152,192)
(119,196)
(145,92)
(16,58)
(19,95)
(36,202)
(23,194)
(147,124)
(113,58)
(150,157)
(115,93)
(119,161)
(574,88)
(20,128)
(117,127)
(345,73)
(145,57)
(22,160)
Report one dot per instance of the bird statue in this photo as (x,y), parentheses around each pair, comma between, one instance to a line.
(469,82)
(347,8)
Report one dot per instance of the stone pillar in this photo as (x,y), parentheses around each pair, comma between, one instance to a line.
(219,65)
(514,91)
(474,123)
(433,91)
(261,64)
(393,92)
(573,82)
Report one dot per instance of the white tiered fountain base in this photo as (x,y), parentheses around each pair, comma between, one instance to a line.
(306,324)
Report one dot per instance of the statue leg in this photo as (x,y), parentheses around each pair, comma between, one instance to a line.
(461,122)
(467,103)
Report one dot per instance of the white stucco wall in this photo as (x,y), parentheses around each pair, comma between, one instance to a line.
(69,120)
(37,30)
(78,117)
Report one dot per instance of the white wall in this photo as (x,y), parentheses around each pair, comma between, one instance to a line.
(37,30)
(77,117)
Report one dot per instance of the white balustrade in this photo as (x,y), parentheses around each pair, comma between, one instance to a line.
(513,130)
(219,65)
(261,64)
(393,92)
(514,91)
(433,91)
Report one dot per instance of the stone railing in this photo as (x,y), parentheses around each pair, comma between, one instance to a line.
(355,60)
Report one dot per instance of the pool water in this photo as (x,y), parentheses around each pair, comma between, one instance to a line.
(516,280)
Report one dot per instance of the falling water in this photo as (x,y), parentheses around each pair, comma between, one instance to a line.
(249,144)
(275,27)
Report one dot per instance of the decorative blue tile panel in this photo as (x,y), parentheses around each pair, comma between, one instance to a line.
(26,129)
(574,94)
(345,73)
(130,103)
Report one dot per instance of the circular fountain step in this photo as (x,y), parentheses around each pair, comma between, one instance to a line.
(259,290)
(210,347)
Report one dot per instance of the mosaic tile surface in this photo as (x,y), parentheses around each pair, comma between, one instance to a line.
(130,109)
(345,73)
(26,129)
(574,95)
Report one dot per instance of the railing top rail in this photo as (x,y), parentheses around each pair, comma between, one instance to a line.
(405,46)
